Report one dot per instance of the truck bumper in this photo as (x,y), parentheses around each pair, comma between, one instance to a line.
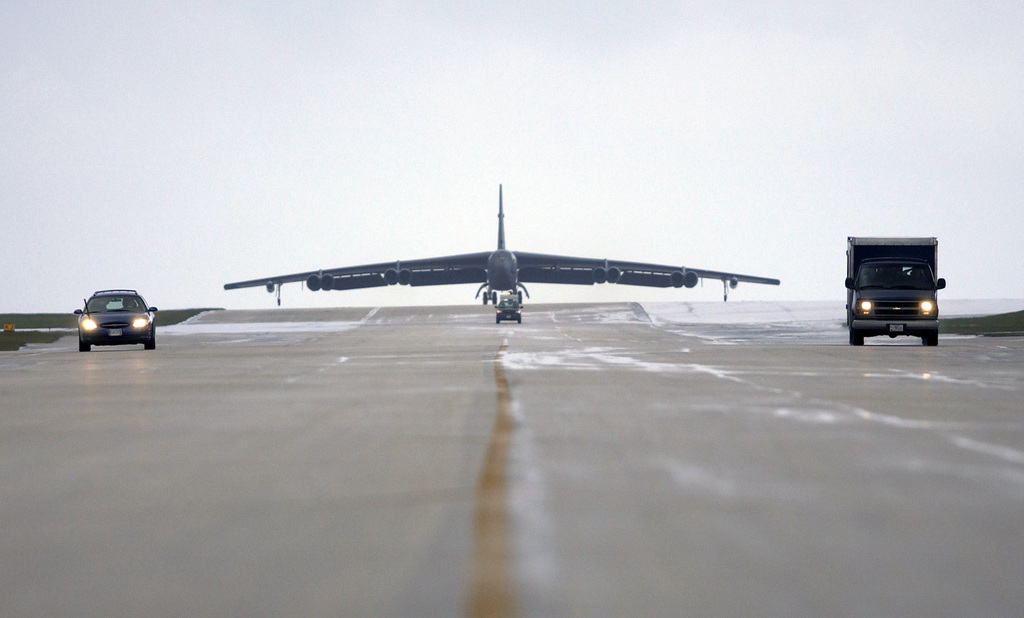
(894,328)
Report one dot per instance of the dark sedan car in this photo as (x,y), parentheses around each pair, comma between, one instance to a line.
(116,317)
(508,309)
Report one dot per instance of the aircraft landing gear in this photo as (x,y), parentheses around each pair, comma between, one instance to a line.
(522,289)
(726,284)
(487,295)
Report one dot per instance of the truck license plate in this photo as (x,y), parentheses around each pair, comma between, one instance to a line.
(115,332)
(895,328)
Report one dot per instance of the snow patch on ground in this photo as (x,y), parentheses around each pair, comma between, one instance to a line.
(769,312)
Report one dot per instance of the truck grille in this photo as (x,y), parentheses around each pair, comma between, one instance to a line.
(897,309)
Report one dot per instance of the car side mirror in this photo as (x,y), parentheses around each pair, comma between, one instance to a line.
(849,283)
(78,312)
(940,284)
(153,309)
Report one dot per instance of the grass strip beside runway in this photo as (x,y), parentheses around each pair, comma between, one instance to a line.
(1001,325)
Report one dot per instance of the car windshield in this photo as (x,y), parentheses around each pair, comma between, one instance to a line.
(99,304)
(896,276)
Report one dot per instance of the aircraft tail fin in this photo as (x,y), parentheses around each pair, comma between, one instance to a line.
(501,223)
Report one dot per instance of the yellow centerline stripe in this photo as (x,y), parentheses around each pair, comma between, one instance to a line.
(491,588)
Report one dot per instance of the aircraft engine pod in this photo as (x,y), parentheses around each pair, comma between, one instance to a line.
(326,282)
(270,286)
(733,282)
(614,274)
(313,283)
(391,276)
(680,279)
(404,276)
(600,275)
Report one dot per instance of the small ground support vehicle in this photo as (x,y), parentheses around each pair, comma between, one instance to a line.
(891,288)
(508,308)
(116,317)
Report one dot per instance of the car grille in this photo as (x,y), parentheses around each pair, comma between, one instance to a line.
(897,309)
(114,325)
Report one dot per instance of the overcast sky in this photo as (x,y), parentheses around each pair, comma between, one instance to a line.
(173,147)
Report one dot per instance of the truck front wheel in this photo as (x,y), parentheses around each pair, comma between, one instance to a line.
(856,338)
(930,340)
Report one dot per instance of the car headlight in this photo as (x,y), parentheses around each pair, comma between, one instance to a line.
(140,323)
(88,324)
(927,307)
(865,306)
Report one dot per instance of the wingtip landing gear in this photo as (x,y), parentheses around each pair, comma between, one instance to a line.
(272,287)
(726,285)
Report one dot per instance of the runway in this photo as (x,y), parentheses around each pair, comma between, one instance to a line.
(597,460)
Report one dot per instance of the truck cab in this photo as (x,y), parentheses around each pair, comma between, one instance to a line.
(894,296)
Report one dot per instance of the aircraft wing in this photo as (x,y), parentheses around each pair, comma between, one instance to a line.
(543,268)
(465,268)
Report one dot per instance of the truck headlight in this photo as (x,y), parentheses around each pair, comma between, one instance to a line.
(927,307)
(865,306)
(140,323)
(88,324)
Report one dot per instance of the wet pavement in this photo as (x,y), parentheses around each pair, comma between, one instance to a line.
(595,460)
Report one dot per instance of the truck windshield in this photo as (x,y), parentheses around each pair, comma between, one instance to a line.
(896,277)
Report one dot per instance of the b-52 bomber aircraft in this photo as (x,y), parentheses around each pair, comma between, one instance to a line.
(501,270)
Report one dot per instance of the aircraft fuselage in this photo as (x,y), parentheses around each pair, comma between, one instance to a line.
(502,270)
